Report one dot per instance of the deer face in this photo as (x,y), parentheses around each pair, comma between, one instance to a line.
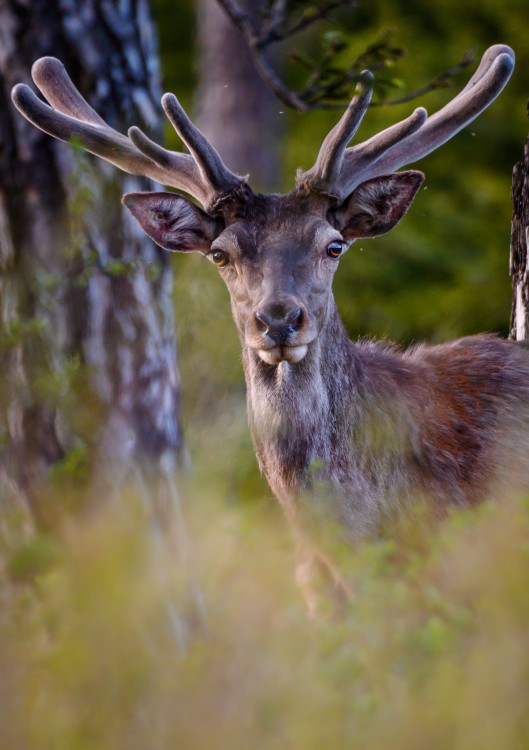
(277,254)
(279,271)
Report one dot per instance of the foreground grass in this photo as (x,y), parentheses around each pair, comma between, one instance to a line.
(432,653)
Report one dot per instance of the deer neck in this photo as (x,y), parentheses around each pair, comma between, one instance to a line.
(298,413)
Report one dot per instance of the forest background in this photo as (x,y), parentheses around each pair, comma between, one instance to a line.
(111,637)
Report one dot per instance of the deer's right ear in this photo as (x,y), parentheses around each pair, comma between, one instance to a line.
(172,221)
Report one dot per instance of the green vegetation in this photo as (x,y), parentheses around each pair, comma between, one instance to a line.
(432,652)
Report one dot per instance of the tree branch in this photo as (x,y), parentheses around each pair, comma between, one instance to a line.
(273,27)
(240,19)
(328,86)
(319,15)
(441,81)
(268,74)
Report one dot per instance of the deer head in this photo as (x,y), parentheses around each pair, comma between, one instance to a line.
(276,253)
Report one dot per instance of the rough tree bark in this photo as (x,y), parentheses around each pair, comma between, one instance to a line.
(87,350)
(519,260)
(235,108)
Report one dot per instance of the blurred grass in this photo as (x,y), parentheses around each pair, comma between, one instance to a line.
(432,652)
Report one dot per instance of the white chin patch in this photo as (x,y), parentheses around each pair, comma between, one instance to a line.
(277,354)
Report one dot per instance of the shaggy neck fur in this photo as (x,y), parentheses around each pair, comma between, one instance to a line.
(364,429)
(302,418)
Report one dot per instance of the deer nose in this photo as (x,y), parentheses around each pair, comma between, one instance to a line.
(279,322)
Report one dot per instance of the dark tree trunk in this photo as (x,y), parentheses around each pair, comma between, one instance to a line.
(89,372)
(519,241)
(236,110)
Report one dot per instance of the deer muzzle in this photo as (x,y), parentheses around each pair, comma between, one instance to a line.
(279,328)
(277,354)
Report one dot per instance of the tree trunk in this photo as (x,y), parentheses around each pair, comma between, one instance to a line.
(236,110)
(519,267)
(90,378)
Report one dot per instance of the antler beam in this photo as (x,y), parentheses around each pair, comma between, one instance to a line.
(70,118)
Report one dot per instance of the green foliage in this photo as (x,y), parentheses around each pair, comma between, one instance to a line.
(33,559)
(333,73)
(74,465)
(16,330)
(431,651)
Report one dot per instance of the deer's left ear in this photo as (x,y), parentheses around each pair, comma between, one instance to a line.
(172,221)
(377,205)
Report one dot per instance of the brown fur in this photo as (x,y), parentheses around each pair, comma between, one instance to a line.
(360,430)
(355,433)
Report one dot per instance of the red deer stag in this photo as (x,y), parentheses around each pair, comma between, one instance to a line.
(371,426)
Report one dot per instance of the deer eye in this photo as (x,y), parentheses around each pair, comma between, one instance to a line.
(220,258)
(334,249)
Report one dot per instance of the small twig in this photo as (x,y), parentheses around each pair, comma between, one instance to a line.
(268,74)
(256,44)
(240,19)
(441,81)
(273,28)
(317,95)
(320,15)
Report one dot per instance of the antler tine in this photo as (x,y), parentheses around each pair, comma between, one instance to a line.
(159,155)
(71,118)
(211,166)
(381,143)
(415,137)
(52,79)
(487,60)
(330,157)
(489,80)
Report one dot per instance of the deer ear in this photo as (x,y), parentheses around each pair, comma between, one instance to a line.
(377,205)
(172,221)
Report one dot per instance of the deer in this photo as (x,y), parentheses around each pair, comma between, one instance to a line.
(364,427)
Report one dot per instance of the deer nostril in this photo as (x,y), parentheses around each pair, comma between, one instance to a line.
(295,318)
(278,322)
(264,321)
